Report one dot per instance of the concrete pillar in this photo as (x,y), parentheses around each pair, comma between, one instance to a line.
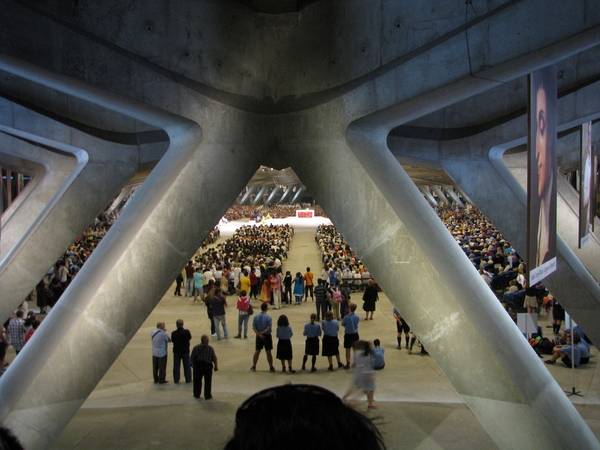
(450,308)
(170,215)
(297,195)
(428,195)
(125,193)
(440,195)
(454,196)
(44,225)
(259,196)
(272,195)
(246,196)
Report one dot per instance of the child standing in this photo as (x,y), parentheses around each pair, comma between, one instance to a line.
(284,344)
(312,331)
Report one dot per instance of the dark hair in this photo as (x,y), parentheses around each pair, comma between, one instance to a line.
(264,307)
(364,346)
(243,293)
(287,414)
(8,440)
(283,321)
(376,342)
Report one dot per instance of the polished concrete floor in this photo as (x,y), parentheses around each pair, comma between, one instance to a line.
(418,407)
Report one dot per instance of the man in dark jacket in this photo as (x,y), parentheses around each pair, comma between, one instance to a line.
(181,352)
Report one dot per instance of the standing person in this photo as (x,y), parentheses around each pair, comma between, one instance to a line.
(321,297)
(34,326)
(370,296)
(287,284)
(276,281)
(198,285)
(312,331)
(218,303)
(4,344)
(181,352)
(558,315)
(42,301)
(262,325)
(178,283)
(253,283)
(160,342)
(337,299)
(331,343)
(245,283)
(363,375)
(308,283)
(243,304)
(189,279)
(16,331)
(210,292)
(350,324)
(401,326)
(298,288)
(378,354)
(203,358)
(284,343)
(346,294)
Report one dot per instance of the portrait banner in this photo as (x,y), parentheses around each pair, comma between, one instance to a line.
(586,184)
(541,174)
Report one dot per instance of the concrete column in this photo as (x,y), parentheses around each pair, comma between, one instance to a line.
(428,195)
(272,195)
(164,224)
(503,200)
(297,195)
(417,262)
(441,195)
(44,225)
(454,196)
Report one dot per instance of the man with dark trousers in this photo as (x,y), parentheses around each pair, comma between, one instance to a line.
(203,358)
(160,342)
(181,352)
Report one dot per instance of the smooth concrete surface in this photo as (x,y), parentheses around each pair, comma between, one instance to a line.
(419,408)
(248,85)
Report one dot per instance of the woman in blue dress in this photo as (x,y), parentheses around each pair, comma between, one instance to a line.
(298,288)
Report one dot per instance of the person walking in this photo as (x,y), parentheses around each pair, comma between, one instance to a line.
(363,374)
(203,359)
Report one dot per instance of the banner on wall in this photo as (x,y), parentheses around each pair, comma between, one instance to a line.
(586,184)
(541,174)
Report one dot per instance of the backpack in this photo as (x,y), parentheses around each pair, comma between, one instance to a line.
(337,297)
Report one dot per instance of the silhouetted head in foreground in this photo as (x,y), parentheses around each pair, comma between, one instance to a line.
(301,416)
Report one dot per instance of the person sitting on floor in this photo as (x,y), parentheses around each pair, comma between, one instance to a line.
(564,352)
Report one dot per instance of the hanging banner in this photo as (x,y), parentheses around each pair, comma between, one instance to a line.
(586,183)
(541,175)
(594,189)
